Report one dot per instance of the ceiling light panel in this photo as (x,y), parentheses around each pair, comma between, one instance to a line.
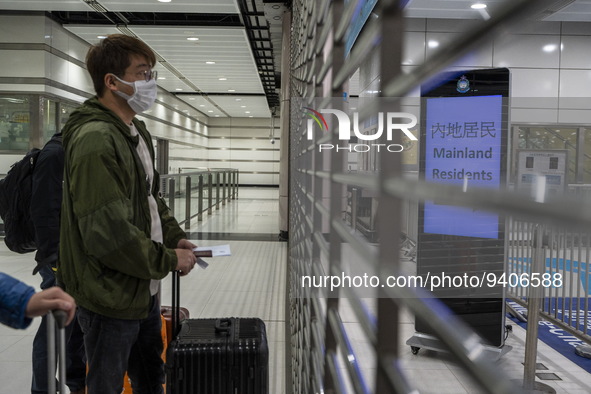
(187,6)
(228,47)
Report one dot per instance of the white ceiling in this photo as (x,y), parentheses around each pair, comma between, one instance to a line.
(183,70)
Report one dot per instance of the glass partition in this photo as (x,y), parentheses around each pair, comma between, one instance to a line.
(15,119)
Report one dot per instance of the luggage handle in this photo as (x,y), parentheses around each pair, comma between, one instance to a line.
(176,303)
(57,318)
(223,325)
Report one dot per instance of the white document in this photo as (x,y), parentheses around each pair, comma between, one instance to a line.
(212,251)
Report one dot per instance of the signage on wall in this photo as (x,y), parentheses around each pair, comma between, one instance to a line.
(463,139)
(20,117)
(542,172)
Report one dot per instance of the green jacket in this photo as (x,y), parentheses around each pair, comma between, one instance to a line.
(107,258)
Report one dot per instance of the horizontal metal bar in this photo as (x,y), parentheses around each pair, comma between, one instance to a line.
(358,245)
(560,210)
(459,339)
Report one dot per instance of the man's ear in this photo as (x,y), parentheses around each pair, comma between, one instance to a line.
(109,81)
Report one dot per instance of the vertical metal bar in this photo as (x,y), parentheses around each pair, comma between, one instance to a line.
(223,174)
(579,282)
(588,284)
(209,193)
(200,201)
(514,145)
(61,334)
(392,32)
(572,276)
(217,190)
(51,349)
(354,202)
(327,191)
(232,184)
(562,251)
(228,181)
(580,156)
(531,339)
(188,203)
(171,195)
(555,246)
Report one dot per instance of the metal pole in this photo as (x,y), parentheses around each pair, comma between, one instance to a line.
(354,202)
(533,313)
(188,203)
(171,193)
(209,193)
(200,201)
(224,188)
(217,191)
(50,321)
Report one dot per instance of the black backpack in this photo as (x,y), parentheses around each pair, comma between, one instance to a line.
(15,204)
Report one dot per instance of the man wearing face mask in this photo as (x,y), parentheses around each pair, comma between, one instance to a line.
(118,238)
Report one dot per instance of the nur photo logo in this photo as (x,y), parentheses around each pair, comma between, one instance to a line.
(387,122)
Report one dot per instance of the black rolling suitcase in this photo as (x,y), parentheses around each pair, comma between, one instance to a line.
(217,356)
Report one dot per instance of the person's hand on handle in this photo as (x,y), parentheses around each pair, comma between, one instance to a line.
(185,260)
(49,299)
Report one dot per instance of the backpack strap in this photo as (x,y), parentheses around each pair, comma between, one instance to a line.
(49,260)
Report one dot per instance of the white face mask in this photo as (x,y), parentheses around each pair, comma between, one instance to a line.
(143,97)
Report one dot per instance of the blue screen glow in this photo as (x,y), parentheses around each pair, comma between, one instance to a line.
(463,146)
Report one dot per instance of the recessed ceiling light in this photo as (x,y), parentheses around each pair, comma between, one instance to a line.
(165,1)
(202,105)
(101,37)
(231,90)
(478,6)
(209,62)
(217,116)
(193,38)
(549,48)
(238,99)
(433,44)
(222,79)
(179,89)
(191,98)
(161,77)
(210,111)
(246,112)
(243,106)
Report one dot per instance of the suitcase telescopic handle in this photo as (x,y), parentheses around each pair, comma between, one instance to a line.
(223,325)
(176,303)
(61,317)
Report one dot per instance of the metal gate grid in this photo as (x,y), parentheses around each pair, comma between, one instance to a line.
(565,255)
(323,358)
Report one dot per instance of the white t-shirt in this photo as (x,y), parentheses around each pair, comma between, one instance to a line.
(156,231)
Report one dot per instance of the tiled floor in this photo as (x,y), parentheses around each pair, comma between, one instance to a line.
(252,282)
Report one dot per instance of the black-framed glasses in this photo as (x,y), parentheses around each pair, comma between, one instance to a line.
(149,75)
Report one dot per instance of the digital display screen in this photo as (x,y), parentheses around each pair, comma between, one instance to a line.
(463,141)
